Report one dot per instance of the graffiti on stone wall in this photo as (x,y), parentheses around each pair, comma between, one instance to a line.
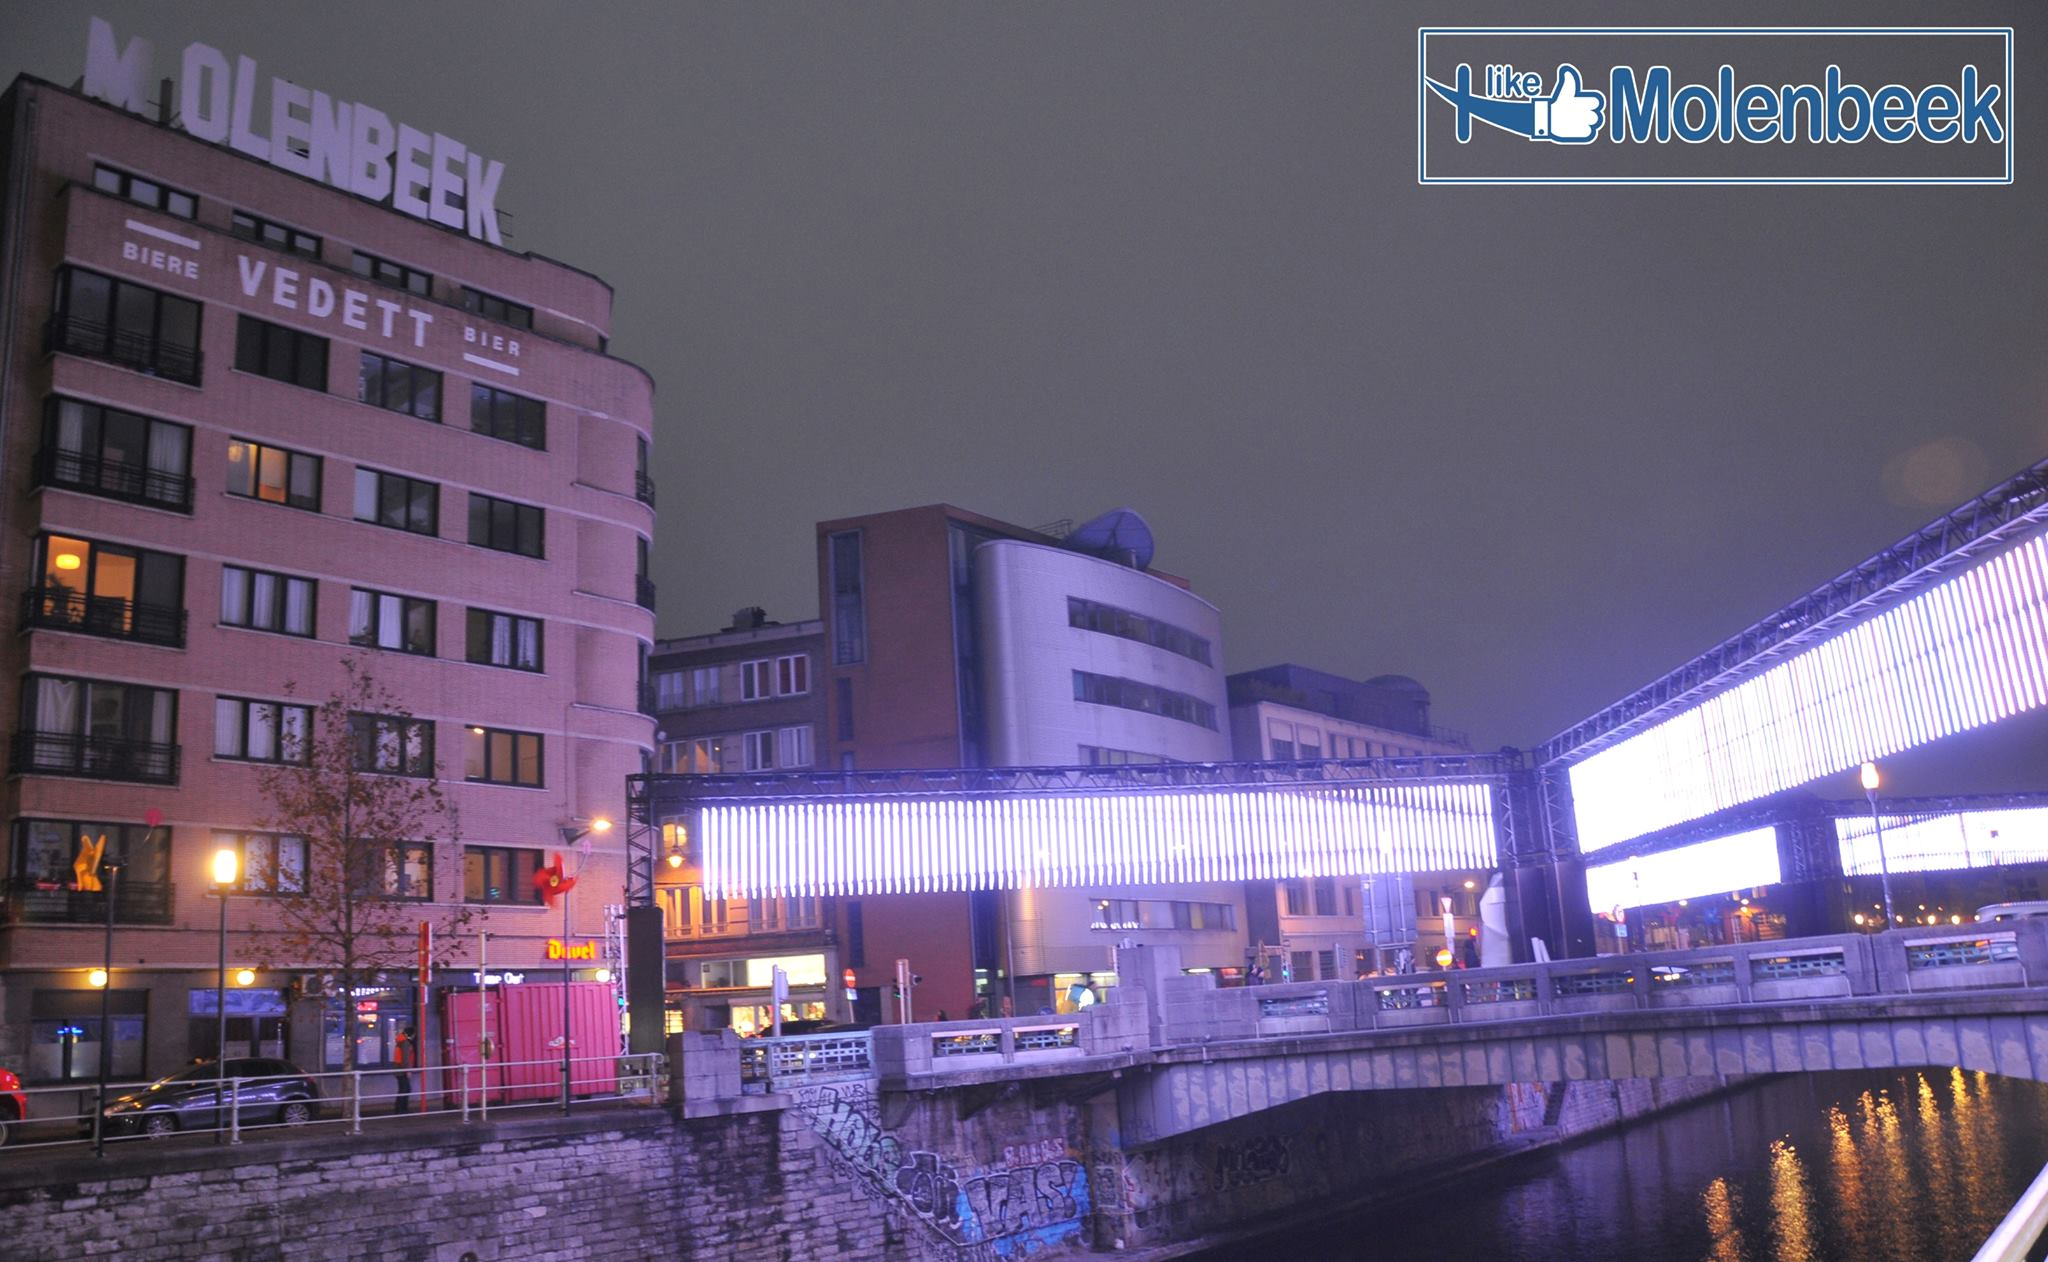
(1256,1160)
(1036,1197)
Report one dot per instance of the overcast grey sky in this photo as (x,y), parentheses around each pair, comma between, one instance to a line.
(1533,446)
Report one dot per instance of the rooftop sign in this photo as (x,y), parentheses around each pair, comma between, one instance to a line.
(353,146)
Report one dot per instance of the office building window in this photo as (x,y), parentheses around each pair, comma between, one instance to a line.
(381,620)
(276,235)
(119,455)
(282,354)
(261,731)
(272,863)
(394,500)
(262,601)
(396,386)
(274,474)
(392,744)
(492,307)
(396,275)
(493,756)
(512,417)
(1090,615)
(504,639)
(793,746)
(504,525)
(144,191)
(128,324)
(849,610)
(498,874)
(1132,694)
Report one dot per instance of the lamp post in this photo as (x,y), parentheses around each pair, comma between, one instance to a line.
(226,864)
(571,836)
(99,1117)
(1870,783)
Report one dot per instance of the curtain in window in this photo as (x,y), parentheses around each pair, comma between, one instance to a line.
(71,427)
(298,608)
(57,705)
(167,445)
(234,595)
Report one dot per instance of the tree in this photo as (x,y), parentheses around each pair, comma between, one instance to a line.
(365,798)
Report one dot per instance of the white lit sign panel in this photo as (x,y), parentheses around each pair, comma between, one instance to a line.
(914,845)
(353,146)
(1738,862)
(1966,653)
(1939,843)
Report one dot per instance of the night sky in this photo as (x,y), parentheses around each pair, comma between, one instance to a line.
(1533,446)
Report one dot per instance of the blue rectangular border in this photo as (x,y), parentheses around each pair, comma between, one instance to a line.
(1422,35)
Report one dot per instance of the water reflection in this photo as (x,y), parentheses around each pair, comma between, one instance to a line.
(1877,1167)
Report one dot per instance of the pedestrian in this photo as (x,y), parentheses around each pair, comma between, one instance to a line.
(405,1056)
(1009,1007)
(978,1010)
(942,1017)
(1255,976)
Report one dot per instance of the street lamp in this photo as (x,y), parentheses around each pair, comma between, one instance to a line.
(1870,783)
(570,836)
(226,865)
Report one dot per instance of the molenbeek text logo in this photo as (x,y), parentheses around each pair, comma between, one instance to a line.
(1715,105)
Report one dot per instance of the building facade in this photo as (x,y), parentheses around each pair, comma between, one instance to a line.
(257,427)
(740,700)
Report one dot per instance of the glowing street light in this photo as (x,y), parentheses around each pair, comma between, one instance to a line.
(570,836)
(226,866)
(1871,780)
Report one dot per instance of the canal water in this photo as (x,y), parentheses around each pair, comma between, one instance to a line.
(1860,1167)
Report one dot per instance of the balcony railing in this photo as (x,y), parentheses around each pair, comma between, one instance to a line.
(140,351)
(643,591)
(643,488)
(116,617)
(97,757)
(24,901)
(112,479)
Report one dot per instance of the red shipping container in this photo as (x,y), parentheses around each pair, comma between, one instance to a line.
(526,1027)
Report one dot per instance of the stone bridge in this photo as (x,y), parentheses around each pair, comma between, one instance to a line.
(1183,1055)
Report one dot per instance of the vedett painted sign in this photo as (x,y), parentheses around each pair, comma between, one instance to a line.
(353,146)
(1714,105)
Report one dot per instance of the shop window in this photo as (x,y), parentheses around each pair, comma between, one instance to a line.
(255,1023)
(64,1035)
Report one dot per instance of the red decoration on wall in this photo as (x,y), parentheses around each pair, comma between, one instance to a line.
(552,880)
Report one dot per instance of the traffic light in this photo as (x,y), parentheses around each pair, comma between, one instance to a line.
(1286,969)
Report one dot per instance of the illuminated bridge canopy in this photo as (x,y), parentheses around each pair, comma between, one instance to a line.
(912,843)
(1964,653)
(1736,862)
(1916,841)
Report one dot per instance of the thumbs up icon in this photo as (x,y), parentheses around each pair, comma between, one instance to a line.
(1572,113)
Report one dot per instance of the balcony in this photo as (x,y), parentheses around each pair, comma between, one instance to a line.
(95,757)
(643,488)
(141,351)
(112,479)
(66,609)
(27,902)
(643,591)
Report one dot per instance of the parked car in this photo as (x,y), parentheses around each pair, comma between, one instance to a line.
(2012,911)
(13,1105)
(270,1092)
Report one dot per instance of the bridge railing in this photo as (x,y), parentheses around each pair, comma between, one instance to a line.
(1915,961)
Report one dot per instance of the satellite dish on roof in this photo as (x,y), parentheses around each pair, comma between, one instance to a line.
(1118,535)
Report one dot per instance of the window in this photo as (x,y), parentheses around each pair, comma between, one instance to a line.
(1091,615)
(495,874)
(512,417)
(758,751)
(643,586)
(1326,896)
(396,275)
(276,235)
(643,481)
(792,675)
(1326,964)
(492,307)
(396,386)
(392,744)
(406,870)
(272,863)
(261,731)
(1301,966)
(381,620)
(670,689)
(64,1033)
(493,756)
(701,756)
(129,324)
(849,612)
(757,679)
(274,474)
(144,192)
(90,727)
(1131,694)
(394,500)
(120,455)
(504,525)
(793,746)
(504,639)
(1105,756)
(45,883)
(104,589)
(1297,897)
(262,601)
(282,354)
(703,686)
